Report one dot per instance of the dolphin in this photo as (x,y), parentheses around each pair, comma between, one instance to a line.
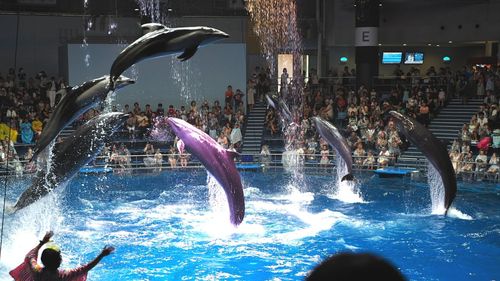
(433,150)
(281,107)
(335,139)
(218,161)
(71,154)
(79,99)
(162,41)
(150,27)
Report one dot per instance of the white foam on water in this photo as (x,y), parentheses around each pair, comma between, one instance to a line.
(457,214)
(345,191)
(294,194)
(315,224)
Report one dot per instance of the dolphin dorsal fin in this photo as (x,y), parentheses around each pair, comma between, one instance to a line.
(188,53)
(150,27)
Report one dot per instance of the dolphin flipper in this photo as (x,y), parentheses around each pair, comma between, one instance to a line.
(348,177)
(188,53)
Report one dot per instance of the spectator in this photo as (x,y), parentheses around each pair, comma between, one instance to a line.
(355,267)
(172,157)
(369,162)
(359,154)
(236,136)
(250,94)
(158,160)
(160,111)
(383,157)
(131,124)
(493,169)
(149,159)
(137,109)
(325,153)
(229,95)
(265,155)
(26,131)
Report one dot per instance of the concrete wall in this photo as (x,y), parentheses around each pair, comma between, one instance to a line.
(432,57)
(419,22)
(40,37)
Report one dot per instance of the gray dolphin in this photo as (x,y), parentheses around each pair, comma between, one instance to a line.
(71,154)
(335,139)
(433,150)
(78,100)
(163,42)
(281,107)
(218,161)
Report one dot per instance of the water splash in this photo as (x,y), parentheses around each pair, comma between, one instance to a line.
(275,24)
(187,77)
(436,189)
(161,131)
(152,9)
(28,225)
(88,23)
(346,191)
(217,197)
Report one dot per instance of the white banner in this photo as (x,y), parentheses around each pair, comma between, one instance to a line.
(366,36)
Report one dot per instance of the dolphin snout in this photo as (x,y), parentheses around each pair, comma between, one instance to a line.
(218,33)
(222,34)
(123,81)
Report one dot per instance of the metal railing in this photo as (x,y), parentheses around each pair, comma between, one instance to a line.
(147,162)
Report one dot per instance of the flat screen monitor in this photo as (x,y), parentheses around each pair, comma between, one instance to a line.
(414,58)
(392,57)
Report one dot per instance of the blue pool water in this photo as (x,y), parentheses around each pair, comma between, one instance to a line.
(164,228)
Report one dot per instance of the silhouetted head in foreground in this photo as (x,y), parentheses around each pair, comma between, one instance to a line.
(51,259)
(355,267)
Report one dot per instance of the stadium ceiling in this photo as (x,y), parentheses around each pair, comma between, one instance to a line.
(130,8)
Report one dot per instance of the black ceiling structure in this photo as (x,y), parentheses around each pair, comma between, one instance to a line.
(130,8)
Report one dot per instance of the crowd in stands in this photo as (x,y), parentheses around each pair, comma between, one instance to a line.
(363,115)
(26,105)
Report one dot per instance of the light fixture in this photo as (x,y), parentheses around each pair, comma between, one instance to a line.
(429,44)
(437,45)
(450,41)
(169,9)
(446,59)
(343,59)
(404,44)
(379,44)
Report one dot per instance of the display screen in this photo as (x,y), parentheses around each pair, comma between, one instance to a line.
(414,58)
(391,57)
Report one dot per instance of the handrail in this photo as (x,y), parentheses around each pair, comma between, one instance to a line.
(273,161)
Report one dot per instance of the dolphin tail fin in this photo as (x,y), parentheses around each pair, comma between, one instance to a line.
(348,177)
(188,53)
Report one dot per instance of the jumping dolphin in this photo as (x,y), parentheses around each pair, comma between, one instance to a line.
(335,139)
(71,154)
(281,107)
(79,99)
(218,161)
(433,150)
(162,42)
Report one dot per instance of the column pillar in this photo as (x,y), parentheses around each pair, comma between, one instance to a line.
(488,49)
(366,41)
